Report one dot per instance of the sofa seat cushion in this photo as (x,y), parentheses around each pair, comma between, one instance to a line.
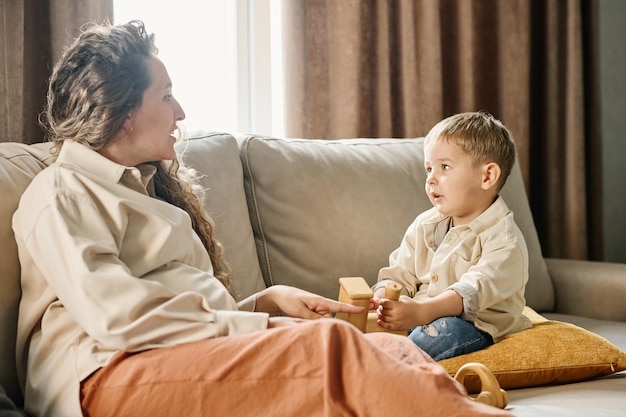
(550,352)
(322,209)
(601,397)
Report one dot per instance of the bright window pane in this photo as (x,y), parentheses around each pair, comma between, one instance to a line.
(224,58)
(196,42)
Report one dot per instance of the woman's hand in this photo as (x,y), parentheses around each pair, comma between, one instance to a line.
(294,302)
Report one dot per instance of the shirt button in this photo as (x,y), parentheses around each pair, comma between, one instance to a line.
(434,278)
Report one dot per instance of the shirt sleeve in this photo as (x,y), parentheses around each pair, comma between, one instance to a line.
(497,276)
(248,303)
(402,264)
(78,254)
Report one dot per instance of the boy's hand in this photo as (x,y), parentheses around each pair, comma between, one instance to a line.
(407,313)
(399,315)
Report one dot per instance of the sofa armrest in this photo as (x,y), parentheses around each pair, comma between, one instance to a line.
(590,289)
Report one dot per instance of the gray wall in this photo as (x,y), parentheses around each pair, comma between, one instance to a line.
(613,85)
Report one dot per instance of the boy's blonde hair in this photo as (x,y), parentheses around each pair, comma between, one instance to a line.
(481,136)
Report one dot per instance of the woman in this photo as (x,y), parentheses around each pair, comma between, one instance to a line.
(126,308)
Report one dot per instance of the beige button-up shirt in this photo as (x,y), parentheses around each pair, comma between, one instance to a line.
(108,268)
(484,261)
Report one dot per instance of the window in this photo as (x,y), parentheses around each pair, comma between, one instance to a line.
(223,57)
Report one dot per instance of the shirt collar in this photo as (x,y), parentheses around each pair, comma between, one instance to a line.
(87,159)
(496,210)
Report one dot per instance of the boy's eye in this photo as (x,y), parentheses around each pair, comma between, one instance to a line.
(428,170)
(445,167)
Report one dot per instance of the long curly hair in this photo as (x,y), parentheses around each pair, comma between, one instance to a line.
(97,82)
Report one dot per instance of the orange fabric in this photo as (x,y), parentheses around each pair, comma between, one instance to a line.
(322,368)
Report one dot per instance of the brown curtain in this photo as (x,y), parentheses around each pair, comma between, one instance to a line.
(393,68)
(32,37)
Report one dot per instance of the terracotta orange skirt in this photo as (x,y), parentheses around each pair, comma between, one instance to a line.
(322,368)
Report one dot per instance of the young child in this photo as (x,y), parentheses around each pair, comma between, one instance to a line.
(463,264)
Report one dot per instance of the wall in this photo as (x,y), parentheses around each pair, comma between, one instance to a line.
(613,85)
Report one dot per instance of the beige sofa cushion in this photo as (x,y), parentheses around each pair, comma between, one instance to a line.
(216,156)
(321,210)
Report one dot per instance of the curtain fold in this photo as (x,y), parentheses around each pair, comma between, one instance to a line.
(32,37)
(394,68)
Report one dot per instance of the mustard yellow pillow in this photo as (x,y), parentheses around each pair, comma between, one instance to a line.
(550,352)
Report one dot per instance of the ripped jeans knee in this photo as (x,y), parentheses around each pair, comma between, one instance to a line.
(447,337)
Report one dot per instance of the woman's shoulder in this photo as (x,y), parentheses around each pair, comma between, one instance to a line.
(54,183)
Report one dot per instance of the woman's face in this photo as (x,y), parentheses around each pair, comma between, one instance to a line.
(149,132)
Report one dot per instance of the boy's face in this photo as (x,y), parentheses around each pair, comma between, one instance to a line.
(453,184)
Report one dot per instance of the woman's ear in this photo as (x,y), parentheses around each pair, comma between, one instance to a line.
(128,123)
(491,175)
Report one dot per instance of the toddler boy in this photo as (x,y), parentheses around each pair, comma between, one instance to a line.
(463,264)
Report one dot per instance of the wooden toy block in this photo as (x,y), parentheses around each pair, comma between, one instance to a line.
(393,291)
(355,291)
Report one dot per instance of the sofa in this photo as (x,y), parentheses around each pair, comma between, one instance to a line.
(307,212)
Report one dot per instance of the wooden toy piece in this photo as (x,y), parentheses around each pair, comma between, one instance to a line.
(355,291)
(490,392)
(392,292)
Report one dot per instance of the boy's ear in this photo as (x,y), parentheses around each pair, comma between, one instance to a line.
(491,175)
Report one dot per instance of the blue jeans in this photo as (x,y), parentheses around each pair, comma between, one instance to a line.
(449,336)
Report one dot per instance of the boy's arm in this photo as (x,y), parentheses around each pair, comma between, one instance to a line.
(501,274)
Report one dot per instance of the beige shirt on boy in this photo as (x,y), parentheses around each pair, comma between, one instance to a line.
(484,261)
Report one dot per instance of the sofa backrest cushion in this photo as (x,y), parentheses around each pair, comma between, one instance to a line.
(214,155)
(322,210)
